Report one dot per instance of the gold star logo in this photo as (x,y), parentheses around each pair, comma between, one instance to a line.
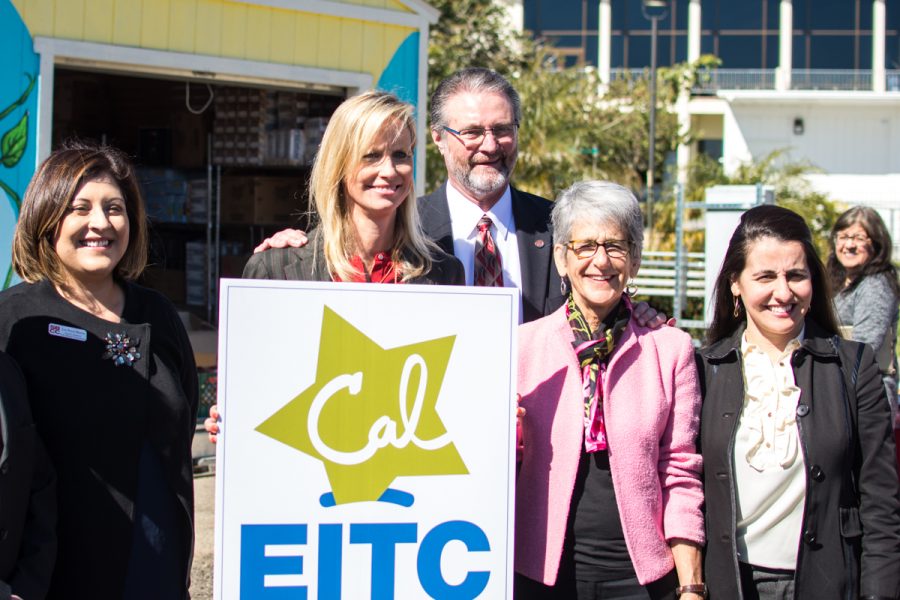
(370,414)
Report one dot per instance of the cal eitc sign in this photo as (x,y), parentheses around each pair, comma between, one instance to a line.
(389,474)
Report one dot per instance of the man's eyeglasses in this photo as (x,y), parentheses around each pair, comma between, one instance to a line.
(584,249)
(474,135)
(859,238)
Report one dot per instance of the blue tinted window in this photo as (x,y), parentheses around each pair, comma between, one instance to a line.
(865,52)
(740,52)
(831,52)
(801,12)
(799,58)
(892,53)
(557,14)
(772,49)
(638,51)
(773,14)
(745,14)
(835,14)
(617,52)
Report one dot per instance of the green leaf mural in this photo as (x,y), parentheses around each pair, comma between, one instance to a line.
(13,143)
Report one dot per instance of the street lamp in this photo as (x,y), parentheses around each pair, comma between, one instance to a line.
(653,10)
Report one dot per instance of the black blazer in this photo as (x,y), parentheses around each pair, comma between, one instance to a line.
(540,280)
(27,494)
(79,401)
(849,545)
(308,264)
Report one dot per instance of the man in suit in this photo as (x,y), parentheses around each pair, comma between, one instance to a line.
(475,117)
(27,495)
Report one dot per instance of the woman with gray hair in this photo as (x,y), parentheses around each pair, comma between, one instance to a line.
(609,494)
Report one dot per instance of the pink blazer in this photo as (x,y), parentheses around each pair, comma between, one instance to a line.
(651,409)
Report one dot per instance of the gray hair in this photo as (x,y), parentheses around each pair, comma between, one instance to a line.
(472,79)
(598,202)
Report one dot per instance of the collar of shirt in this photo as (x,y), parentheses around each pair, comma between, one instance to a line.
(747,346)
(465,214)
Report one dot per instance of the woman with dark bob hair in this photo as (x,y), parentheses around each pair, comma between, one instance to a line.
(802,497)
(866,287)
(101,354)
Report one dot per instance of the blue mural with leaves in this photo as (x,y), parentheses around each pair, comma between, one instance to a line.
(18,122)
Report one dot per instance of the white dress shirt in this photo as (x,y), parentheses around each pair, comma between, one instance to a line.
(769,470)
(464,217)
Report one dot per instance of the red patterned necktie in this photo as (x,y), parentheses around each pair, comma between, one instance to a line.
(488,270)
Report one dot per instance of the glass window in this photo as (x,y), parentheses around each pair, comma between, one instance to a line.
(638,51)
(617,52)
(559,14)
(865,52)
(831,52)
(892,53)
(773,14)
(801,12)
(799,53)
(709,14)
(772,49)
(834,14)
(708,44)
(743,15)
(740,51)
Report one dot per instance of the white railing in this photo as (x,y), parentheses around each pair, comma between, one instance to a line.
(712,80)
(658,275)
(831,79)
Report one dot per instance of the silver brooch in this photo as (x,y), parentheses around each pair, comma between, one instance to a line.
(121,349)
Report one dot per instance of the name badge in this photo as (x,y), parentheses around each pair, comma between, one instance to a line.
(71,333)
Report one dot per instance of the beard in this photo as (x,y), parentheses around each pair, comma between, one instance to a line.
(486,180)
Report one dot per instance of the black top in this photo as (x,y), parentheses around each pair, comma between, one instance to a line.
(595,530)
(95,417)
(27,494)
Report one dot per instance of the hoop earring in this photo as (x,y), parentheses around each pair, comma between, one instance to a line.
(630,288)
(564,285)
(737,307)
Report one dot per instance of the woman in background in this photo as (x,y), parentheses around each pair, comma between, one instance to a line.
(111,380)
(802,497)
(866,288)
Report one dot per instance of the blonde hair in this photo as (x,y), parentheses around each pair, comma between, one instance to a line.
(46,203)
(351,131)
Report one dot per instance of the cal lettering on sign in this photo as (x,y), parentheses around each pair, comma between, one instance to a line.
(63,331)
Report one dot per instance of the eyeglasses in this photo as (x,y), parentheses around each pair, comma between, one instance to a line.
(859,238)
(584,249)
(472,136)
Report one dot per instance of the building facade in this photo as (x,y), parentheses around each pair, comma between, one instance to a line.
(818,79)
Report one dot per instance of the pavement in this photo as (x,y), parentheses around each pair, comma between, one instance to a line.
(204,528)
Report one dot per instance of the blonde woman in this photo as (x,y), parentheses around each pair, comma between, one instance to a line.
(361,187)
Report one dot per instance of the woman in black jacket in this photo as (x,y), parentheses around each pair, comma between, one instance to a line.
(111,380)
(27,495)
(800,477)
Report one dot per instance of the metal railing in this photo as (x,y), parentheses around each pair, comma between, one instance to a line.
(658,275)
(712,80)
(831,79)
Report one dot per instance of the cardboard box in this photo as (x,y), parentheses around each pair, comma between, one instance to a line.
(263,200)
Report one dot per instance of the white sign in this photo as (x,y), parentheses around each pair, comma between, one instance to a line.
(368,441)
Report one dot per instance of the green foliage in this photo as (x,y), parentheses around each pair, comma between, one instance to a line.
(792,190)
(13,143)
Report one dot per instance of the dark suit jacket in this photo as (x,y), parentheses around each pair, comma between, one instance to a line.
(308,264)
(27,494)
(540,280)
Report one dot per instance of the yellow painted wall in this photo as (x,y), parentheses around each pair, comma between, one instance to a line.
(224,28)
